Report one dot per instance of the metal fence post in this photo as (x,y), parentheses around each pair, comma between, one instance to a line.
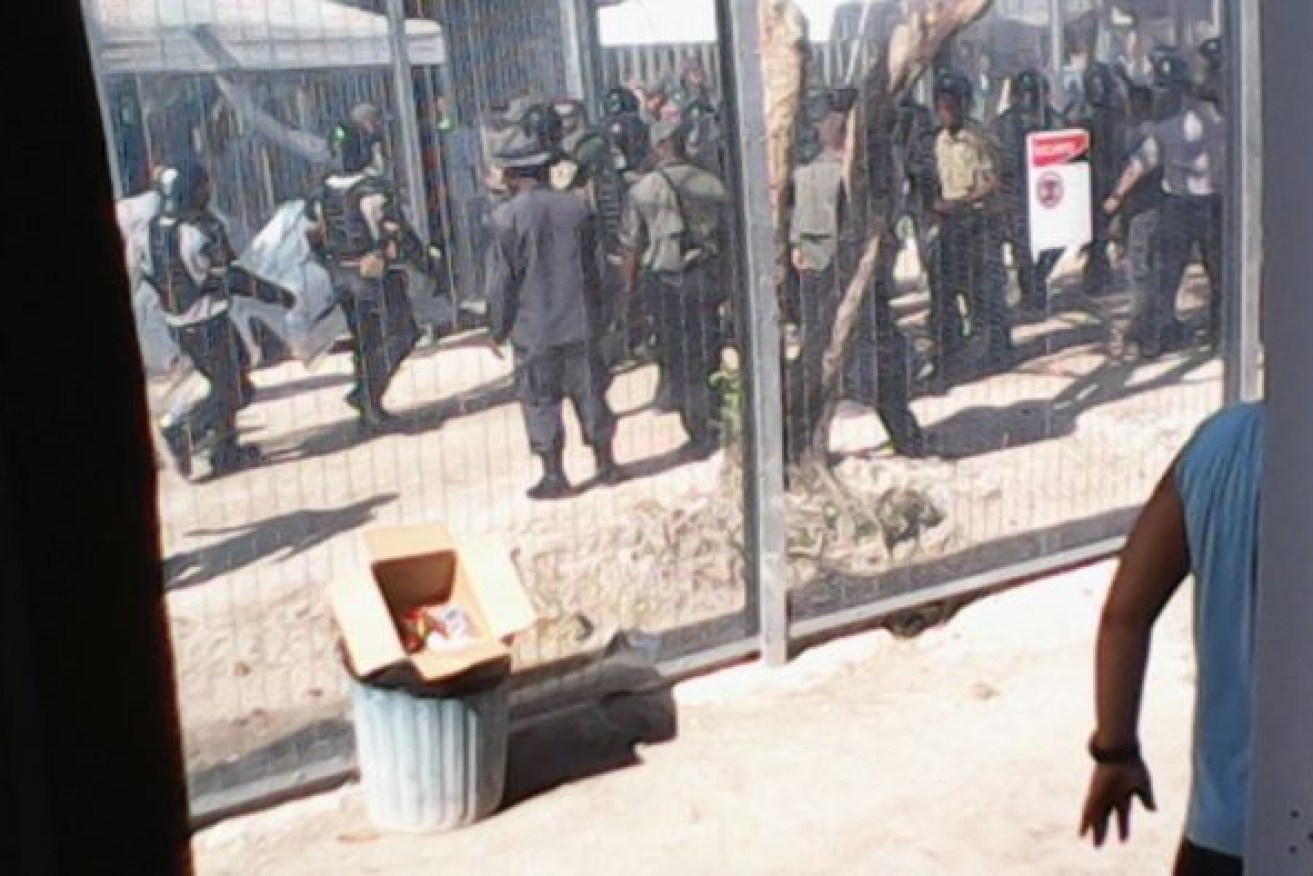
(95,47)
(1242,339)
(1280,824)
(404,96)
(764,436)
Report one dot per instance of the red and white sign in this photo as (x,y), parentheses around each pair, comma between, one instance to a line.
(1059,189)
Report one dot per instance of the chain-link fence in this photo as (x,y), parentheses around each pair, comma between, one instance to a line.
(816,334)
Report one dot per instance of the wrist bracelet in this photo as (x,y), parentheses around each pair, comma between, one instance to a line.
(1120,756)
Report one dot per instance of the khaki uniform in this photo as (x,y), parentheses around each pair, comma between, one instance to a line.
(968,262)
(675,222)
(964,161)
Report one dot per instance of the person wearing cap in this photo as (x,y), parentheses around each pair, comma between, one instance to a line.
(359,231)
(368,118)
(544,295)
(1189,145)
(1028,113)
(654,102)
(674,234)
(187,261)
(968,256)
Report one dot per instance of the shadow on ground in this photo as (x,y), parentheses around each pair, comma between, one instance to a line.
(284,536)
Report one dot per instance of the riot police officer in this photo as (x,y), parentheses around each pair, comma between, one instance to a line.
(625,127)
(1106,124)
(359,231)
(1189,145)
(968,262)
(587,164)
(1029,112)
(188,262)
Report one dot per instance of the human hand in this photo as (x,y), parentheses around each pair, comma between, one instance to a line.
(1113,787)
(495,347)
(1112,204)
(799,259)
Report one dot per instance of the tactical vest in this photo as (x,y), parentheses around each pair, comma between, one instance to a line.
(346,232)
(178,290)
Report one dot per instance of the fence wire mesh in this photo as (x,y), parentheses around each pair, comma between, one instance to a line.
(999,402)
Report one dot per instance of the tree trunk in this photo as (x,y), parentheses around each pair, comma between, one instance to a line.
(783,61)
(873,178)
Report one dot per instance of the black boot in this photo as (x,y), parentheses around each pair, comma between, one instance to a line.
(373,416)
(177,439)
(554,484)
(228,457)
(608,472)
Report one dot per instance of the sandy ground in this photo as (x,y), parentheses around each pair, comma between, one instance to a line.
(959,752)
(1072,433)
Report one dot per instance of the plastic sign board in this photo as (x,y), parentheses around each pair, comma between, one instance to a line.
(1059,189)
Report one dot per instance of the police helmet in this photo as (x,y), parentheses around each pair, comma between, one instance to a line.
(1213,51)
(1100,85)
(1172,73)
(954,86)
(542,122)
(619,101)
(1029,82)
(353,146)
(841,100)
(183,186)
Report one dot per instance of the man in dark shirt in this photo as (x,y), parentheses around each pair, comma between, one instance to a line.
(543,288)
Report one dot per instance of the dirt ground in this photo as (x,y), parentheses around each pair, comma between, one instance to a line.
(1073,432)
(959,752)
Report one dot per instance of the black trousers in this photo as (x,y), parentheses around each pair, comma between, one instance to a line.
(545,378)
(217,353)
(969,269)
(1032,273)
(382,326)
(1183,223)
(1193,860)
(876,370)
(689,338)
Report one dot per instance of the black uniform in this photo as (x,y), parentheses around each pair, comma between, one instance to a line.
(544,295)
(1106,124)
(1028,114)
(365,240)
(1189,146)
(196,310)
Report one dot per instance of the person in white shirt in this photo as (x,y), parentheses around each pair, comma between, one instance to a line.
(1189,146)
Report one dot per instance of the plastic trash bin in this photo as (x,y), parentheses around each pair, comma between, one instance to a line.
(430,763)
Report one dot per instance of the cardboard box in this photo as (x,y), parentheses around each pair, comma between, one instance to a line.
(423,565)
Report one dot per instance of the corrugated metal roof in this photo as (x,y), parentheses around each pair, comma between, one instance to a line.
(157,35)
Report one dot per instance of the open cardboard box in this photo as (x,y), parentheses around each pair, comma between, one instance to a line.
(423,565)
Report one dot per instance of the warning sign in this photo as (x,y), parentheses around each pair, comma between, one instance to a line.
(1059,189)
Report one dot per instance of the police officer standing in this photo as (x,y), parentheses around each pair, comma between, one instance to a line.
(545,298)
(674,234)
(968,249)
(188,261)
(1106,124)
(1029,113)
(358,228)
(625,129)
(877,369)
(1189,146)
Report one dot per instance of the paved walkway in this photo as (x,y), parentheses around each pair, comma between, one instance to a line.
(960,752)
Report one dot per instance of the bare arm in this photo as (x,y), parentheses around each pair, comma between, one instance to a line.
(1154,563)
